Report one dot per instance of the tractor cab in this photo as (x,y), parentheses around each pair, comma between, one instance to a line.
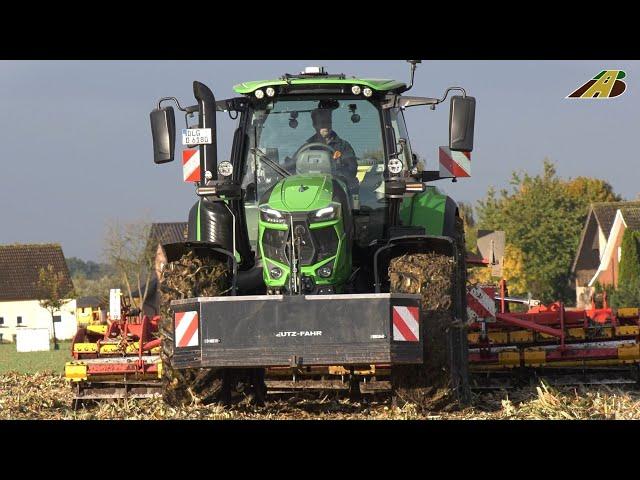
(321,174)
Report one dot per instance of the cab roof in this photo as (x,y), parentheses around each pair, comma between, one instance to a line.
(380,85)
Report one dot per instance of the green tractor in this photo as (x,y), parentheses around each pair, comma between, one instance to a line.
(317,255)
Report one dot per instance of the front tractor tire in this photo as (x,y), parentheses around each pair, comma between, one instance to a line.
(190,276)
(441,381)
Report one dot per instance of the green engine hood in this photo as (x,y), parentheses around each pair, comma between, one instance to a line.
(302,193)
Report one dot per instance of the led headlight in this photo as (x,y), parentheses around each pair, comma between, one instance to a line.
(395,166)
(270,92)
(270,215)
(225,168)
(275,273)
(367,92)
(259,94)
(327,213)
(356,89)
(325,272)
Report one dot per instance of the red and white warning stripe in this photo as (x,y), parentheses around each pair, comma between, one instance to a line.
(405,324)
(191,164)
(454,164)
(186,329)
(481,304)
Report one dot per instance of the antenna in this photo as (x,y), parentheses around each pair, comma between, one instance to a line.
(413,63)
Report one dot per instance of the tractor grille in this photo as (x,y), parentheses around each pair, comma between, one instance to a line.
(307,250)
(315,245)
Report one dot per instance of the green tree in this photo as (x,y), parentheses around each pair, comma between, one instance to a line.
(542,217)
(54,293)
(628,292)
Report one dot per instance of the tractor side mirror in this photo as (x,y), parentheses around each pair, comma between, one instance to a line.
(163,131)
(462,113)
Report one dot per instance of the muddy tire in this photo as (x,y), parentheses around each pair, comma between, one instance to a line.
(189,277)
(441,382)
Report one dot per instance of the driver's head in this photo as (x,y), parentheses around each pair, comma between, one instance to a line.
(321,118)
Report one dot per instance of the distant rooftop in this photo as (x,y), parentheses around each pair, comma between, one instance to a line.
(20,269)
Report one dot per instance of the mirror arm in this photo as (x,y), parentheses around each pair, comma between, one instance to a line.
(446,93)
(175,100)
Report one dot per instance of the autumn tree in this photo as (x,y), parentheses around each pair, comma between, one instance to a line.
(53,292)
(128,250)
(542,217)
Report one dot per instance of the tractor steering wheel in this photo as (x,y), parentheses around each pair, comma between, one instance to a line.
(314,146)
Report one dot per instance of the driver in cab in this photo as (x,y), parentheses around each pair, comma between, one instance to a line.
(343,153)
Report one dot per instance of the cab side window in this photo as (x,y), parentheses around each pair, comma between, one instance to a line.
(400,132)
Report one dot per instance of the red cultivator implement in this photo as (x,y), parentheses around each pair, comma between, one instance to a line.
(119,359)
(551,340)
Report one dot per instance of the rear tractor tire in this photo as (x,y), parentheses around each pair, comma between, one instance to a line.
(190,276)
(442,380)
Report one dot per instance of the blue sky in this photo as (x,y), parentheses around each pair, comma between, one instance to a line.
(76,143)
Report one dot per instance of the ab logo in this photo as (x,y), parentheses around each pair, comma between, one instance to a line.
(607,84)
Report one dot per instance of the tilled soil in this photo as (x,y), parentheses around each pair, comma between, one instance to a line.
(48,396)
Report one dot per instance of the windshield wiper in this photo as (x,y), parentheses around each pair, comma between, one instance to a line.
(278,169)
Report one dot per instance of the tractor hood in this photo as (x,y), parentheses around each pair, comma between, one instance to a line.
(301,193)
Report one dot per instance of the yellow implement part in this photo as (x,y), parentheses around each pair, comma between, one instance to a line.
(498,337)
(85,348)
(509,358)
(340,370)
(160,369)
(100,329)
(577,333)
(628,312)
(629,353)
(521,336)
(114,348)
(626,330)
(75,371)
(109,348)
(534,357)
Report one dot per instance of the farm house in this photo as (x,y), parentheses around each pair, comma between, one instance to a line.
(19,306)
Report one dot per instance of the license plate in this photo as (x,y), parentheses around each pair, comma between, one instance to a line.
(196,136)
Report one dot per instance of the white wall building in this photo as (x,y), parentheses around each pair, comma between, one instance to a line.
(29,314)
(20,266)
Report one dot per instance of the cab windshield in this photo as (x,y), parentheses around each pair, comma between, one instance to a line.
(284,131)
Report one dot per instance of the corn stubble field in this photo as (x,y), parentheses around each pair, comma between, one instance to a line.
(47,396)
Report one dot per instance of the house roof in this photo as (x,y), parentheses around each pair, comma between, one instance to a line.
(20,268)
(631,216)
(168,232)
(603,213)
